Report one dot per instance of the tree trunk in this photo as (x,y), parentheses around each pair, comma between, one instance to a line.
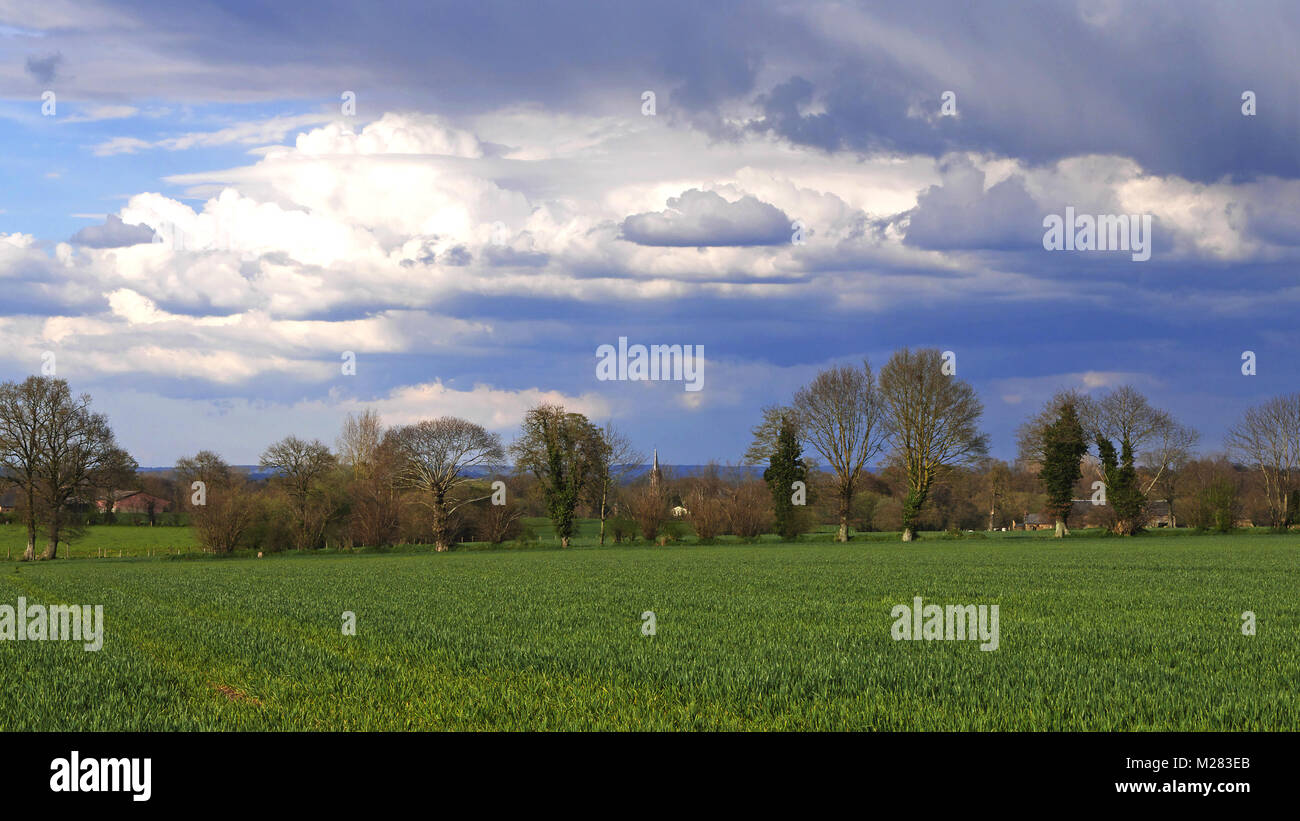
(907,534)
(604,493)
(846,502)
(52,544)
(564,541)
(1060,528)
(441,542)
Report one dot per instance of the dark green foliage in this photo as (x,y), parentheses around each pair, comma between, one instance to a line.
(1122,492)
(1064,444)
(1217,507)
(785,468)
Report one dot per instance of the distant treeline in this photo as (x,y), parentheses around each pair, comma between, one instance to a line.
(900,450)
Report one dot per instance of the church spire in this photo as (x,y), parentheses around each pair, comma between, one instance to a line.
(655,474)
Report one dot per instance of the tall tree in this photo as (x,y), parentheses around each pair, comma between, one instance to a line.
(358,443)
(564,451)
(375,505)
(764,434)
(1267,438)
(617,459)
(784,469)
(839,415)
(76,446)
(300,468)
(436,455)
(1123,495)
(1064,444)
(932,420)
(1125,415)
(23,408)
(1171,449)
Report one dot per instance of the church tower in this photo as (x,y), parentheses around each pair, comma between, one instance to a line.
(656,476)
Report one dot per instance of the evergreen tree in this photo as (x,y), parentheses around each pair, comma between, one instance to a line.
(1122,492)
(786,467)
(1064,444)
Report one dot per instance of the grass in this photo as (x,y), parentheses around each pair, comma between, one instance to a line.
(1096,634)
(113,540)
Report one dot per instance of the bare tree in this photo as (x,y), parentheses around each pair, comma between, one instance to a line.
(932,420)
(374,516)
(222,507)
(765,433)
(358,444)
(1170,450)
(706,503)
(435,456)
(299,467)
(749,509)
(617,458)
(1031,439)
(648,503)
(1268,440)
(838,414)
(1125,415)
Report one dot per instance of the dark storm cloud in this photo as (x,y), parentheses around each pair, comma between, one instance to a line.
(1160,83)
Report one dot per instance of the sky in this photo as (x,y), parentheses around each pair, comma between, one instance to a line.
(232,222)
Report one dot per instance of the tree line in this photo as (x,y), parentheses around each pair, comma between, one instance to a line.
(898,450)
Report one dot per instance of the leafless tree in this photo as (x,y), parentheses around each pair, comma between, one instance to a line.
(375,513)
(765,433)
(435,456)
(617,458)
(358,444)
(1030,435)
(300,467)
(749,509)
(222,507)
(932,420)
(1125,415)
(838,415)
(1268,440)
(706,503)
(647,502)
(1170,450)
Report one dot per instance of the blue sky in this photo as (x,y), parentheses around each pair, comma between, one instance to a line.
(499,205)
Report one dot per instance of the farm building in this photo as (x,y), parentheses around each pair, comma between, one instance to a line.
(8,501)
(134,501)
(1158,514)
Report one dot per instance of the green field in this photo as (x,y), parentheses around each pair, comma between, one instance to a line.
(1098,634)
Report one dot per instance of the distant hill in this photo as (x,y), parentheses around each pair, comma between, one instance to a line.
(258,473)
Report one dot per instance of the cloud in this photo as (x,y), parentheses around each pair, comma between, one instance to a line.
(705,219)
(259,132)
(961,214)
(103,112)
(45,69)
(112,234)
